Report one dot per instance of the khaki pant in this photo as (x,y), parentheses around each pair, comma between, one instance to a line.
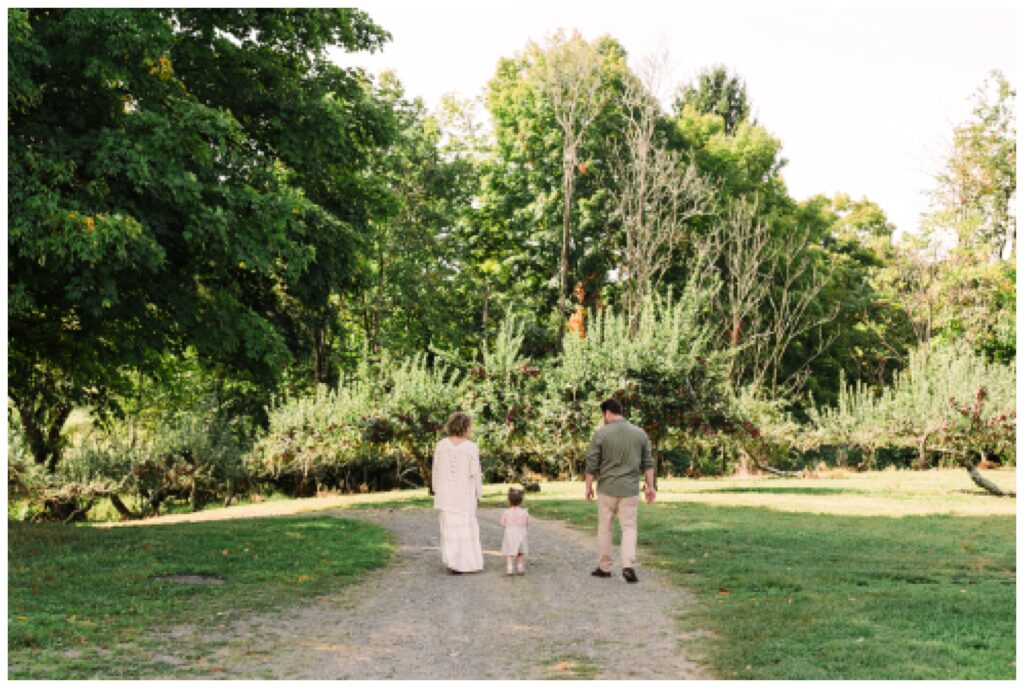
(625,508)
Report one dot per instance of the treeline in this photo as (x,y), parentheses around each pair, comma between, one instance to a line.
(256,268)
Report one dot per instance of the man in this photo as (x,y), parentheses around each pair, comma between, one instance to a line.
(617,453)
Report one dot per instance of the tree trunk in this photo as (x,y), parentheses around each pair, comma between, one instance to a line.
(568,161)
(986,484)
(231,494)
(487,304)
(768,469)
(42,424)
(156,499)
(123,510)
(79,513)
(321,353)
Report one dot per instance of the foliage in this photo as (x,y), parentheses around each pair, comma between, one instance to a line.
(311,438)
(529,191)
(183,442)
(503,395)
(974,193)
(165,192)
(663,369)
(717,91)
(215,228)
(375,426)
(917,403)
(976,435)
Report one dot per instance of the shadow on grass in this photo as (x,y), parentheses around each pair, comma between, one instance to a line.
(407,503)
(788,490)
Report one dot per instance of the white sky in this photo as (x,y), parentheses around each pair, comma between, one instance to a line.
(863,100)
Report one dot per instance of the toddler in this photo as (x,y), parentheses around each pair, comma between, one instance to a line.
(513,545)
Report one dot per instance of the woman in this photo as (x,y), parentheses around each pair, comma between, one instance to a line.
(457,489)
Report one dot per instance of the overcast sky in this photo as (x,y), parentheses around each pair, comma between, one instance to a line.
(864,101)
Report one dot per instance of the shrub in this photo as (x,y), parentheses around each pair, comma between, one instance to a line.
(917,404)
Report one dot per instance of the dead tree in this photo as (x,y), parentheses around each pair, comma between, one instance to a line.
(655,192)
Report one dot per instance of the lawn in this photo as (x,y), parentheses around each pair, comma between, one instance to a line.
(81,599)
(886,575)
(800,587)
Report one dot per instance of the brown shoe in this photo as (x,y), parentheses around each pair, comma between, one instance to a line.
(630,575)
(601,574)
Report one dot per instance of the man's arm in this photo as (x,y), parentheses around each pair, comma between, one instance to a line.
(649,493)
(593,464)
(647,463)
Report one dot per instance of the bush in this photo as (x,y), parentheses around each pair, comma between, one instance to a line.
(378,427)
(923,400)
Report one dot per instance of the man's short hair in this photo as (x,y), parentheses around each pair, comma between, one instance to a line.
(611,406)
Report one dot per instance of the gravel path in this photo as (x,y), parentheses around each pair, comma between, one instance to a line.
(412,620)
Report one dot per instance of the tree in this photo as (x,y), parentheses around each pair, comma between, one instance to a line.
(569,74)
(656,193)
(968,291)
(871,333)
(717,91)
(521,206)
(771,287)
(974,193)
(410,298)
(155,195)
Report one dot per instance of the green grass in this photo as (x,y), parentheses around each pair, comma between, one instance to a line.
(812,596)
(81,599)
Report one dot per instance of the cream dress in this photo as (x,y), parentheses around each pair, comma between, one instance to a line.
(514,542)
(458,484)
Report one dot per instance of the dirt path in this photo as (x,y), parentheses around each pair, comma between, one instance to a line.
(414,621)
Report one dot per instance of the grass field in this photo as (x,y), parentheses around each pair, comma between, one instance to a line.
(81,599)
(887,575)
(810,596)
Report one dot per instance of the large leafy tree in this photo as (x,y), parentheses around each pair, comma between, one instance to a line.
(177,178)
(526,190)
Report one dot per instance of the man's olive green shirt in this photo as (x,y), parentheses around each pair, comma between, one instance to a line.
(618,454)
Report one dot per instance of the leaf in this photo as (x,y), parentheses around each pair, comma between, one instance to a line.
(723,591)
(563,666)
(303,579)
